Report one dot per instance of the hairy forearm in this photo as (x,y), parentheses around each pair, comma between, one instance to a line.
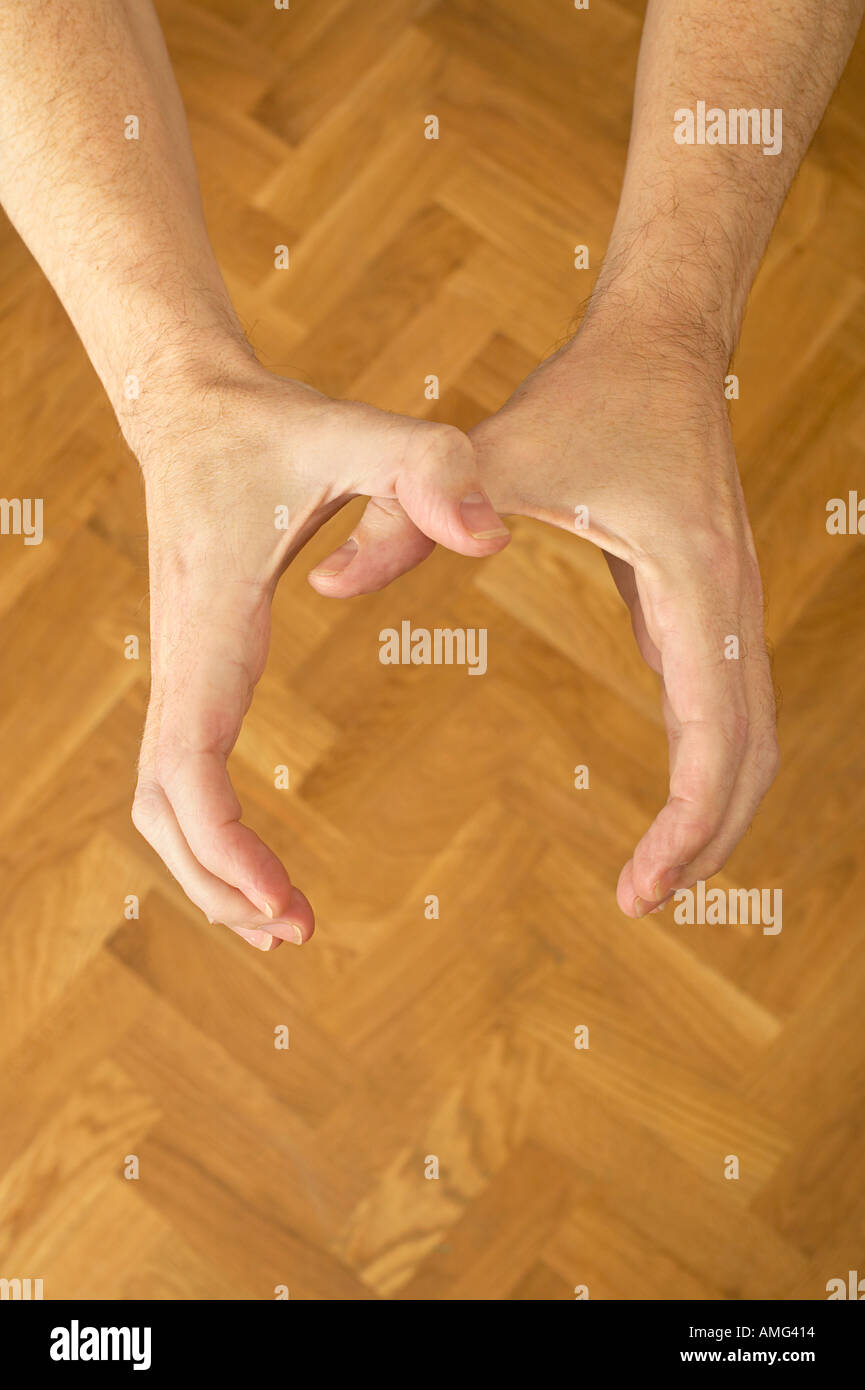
(116,223)
(694,217)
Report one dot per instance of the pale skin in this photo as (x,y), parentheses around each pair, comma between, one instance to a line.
(628,420)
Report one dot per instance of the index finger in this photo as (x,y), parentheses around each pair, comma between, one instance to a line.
(695,626)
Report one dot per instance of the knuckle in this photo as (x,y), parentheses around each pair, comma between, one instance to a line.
(447,444)
(453,439)
(713,865)
(769,760)
(702,833)
(146,807)
(165,760)
(692,837)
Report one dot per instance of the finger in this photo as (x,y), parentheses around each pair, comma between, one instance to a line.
(440,491)
(626,583)
(759,765)
(690,624)
(155,820)
(384,545)
(757,772)
(208,661)
(430,468)
(198,787)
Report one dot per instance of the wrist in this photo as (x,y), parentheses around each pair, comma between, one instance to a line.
(673,366)
(162,402)
(672,285)
(204,409)
(678,334)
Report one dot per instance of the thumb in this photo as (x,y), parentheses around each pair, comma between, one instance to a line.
(435,495)
(439,489)
(383,545)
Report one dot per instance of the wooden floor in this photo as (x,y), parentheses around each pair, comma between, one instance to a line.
(409,1037)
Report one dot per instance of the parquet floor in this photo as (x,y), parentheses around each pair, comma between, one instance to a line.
(451,1038)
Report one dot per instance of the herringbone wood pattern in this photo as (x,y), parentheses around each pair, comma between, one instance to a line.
(452,1037)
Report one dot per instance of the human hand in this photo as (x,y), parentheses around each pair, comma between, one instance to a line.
(634,441)
(641,440)
(217,465)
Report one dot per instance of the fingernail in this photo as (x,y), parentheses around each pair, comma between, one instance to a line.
(339,560)
(261,903)
(294,931)
(261,940)
(479,518)
(641,907)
